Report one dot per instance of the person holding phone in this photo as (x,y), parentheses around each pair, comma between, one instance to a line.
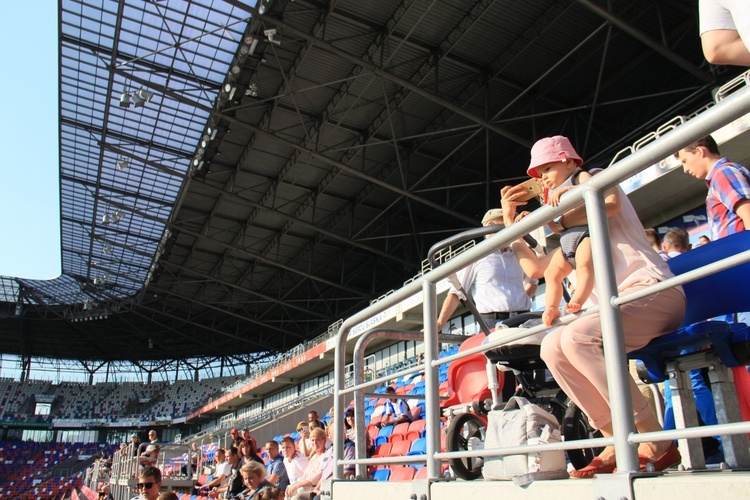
(496,283)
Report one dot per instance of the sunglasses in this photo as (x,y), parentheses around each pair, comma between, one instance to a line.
(146,486)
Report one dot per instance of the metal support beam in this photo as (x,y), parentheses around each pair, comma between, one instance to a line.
(322,44)
(648,41)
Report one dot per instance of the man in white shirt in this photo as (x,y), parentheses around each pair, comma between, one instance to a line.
(495,283)
(222,472)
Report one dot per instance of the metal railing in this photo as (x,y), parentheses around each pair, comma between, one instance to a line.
(592,192)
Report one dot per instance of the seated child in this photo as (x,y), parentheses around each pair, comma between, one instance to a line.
(559,177)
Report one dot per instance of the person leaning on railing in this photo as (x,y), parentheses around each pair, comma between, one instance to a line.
(574,352)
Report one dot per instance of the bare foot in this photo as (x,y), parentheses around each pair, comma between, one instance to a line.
(550,315)
(572,307)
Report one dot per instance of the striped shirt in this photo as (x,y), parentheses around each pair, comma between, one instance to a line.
(728,184)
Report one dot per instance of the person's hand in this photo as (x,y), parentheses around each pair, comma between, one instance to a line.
(550,315)
(554,197)
(520,216)
(509,203)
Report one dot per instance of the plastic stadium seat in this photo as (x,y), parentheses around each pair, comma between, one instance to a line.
(383,434)
(373,430)
(401,473)
(400,448)
(384,450)
(419,447)
(415,430)
(381,474)
(375,419)
(399,432)
(416,412)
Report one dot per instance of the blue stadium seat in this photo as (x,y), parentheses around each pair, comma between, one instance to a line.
(381,474)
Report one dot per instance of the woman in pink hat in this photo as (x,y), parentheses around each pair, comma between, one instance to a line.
(574,352)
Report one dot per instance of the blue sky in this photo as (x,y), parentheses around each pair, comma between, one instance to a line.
(30,187)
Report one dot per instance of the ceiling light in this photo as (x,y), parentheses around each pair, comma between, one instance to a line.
(145,94)
(227,88)
(138,101)
(124,100)
(122,165)
(252,90)
(107,248)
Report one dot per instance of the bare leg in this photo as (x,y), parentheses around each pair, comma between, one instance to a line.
(557,270)
(584,277)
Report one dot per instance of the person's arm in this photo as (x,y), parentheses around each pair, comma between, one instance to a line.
(742,209)
(303,445)
(274,476)
(725,47)
(530,286)
(577,216)
(450,304)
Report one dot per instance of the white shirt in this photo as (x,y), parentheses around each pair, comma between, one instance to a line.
(225,469)
(495,283)
(296,467)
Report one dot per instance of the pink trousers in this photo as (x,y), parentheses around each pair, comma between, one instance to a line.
(575,356)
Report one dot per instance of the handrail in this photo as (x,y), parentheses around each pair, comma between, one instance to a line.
(731,108)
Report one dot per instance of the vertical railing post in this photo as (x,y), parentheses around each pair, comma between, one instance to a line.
(339,360)
(621,405)
(432,398)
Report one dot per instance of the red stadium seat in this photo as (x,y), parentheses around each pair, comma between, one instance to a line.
(400,448)
(399,432)
(401,473)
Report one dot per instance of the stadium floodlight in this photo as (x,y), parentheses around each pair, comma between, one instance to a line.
(145,95)
(138,100)
(124,99)
(122,165)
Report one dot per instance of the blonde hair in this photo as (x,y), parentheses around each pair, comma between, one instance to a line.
(253,467)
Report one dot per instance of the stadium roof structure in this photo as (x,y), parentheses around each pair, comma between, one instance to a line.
(236,177)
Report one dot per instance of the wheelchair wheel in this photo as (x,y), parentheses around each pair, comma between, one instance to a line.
(461,429)
(576,426)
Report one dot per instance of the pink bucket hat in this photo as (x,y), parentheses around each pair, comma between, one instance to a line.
(550,150)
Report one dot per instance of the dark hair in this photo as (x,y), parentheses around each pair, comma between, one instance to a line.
(151,471)
(678,239)
(653,237)
(707,142)
(269,493)
(390,390)
(288,439)
(232,450)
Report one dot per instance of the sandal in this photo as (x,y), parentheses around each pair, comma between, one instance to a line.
(597,466)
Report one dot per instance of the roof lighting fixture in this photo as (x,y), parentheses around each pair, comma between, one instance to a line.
(122,165)
(107,249)
(138,101)
(252,90)
(124,99)
(145,94)
(141,97)
(252,42)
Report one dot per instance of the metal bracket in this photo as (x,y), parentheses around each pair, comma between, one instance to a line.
(420,489)
(618,486)
(326,489)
